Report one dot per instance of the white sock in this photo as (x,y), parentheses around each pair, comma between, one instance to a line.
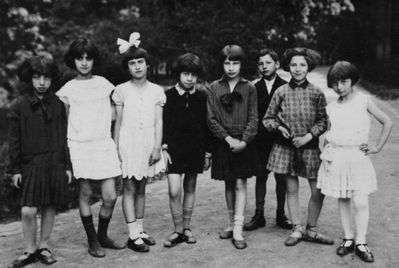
(230,212)
(237,229)
(134,233)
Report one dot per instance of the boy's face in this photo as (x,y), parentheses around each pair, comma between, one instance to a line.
(343,87)
(188,80)
(84,64)
(137,68)
(299,68)
(232,68)
(41,83)
(267,66)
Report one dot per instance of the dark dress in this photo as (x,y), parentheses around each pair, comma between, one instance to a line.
(264,139)
(185,130)
(233,114)
(38,150)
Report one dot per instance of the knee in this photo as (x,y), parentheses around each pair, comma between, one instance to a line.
(360,203)
(317,196)
(241,185)
(109,200)
(28,212)
(85,193)
(190,187)
(174,195)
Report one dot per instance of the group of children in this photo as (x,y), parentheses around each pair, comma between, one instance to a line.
(246,129)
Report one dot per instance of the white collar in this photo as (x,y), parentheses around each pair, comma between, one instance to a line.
(182,91)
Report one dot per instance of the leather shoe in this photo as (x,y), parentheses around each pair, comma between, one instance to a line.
(174,239)
(226,234)
(149,240)
(111,244)
(96,250)
(317,237)
(343,250)
(257,221)
(295,237)
(283,222)
(239,244)
(365,256)
(131,243)
(45,256)
(25,259)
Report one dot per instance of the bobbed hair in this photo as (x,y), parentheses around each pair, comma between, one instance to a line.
(342,70)
(79,47)
(311,56)
(268,51)
(232,52)
(188,62)
(37,65)
(134,53)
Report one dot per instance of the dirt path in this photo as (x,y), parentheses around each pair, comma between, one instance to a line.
(266,245)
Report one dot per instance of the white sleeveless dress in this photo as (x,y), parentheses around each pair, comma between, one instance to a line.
(345,168)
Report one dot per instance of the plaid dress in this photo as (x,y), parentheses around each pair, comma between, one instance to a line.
(300,109)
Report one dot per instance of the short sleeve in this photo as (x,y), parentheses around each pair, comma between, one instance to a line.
(117,96)
(160,97)
(62,94)
(108,86)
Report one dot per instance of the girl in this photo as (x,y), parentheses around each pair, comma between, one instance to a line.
(297,111)
(184,143)
(233,118)
(93,152)
(39,157)
(138,135)
(346,172)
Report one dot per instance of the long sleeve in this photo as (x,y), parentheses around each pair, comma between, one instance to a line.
(14,138)
(252,125)
(166,123)
(320,125)
(270,119)
(215,127)
(68,164)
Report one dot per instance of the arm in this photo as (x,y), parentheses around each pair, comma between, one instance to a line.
(15,150)
(68,164)
(270,120)
(167,127)
(252,125)
(118,123)
(156,152)
(385,132)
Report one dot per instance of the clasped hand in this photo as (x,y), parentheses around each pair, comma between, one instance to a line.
(235,145)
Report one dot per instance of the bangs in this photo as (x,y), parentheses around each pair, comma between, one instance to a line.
(37,65)
(78,48)
(188,62)
(342,70)
(134,53)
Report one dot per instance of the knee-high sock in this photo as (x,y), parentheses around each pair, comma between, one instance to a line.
(237,230)
(89,228)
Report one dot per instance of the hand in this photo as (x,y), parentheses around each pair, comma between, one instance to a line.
(368,149)
(232,141)
(166,157)
(155,156)
(239,147)
(286,134)
(300,141)
(207,163)
(69,176)
(16,180)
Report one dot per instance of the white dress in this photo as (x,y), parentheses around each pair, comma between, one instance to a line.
(137,132)
(93,151)
(344,166)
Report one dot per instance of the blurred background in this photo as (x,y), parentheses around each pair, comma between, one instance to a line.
(362,31)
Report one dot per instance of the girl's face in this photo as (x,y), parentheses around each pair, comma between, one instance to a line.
(84,65)
(138,68)
(267,66)
(232,68)
(41,83)
(188,80)
(343,87)
(299,68)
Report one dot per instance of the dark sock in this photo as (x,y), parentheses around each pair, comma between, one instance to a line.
(90,231)
(103,223)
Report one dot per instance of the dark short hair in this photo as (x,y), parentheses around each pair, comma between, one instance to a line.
(311,56)
(37,65)
(188,62)
(134,53)
(232,52)
(342,70)
(268,51)
(79,47)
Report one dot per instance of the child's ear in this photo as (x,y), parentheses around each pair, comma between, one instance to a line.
(277,64)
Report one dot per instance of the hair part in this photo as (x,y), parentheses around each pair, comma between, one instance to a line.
(188,62)
(268,51)
(311,56)
(78,48)
(342,70)
(37,65)
(134,53)
(232,52)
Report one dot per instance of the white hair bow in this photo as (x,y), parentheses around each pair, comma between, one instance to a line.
(134,40)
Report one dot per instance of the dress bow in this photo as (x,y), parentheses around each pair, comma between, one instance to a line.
(228,99)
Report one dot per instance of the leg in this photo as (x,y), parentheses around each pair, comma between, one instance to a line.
(314,209)
(85,193)
(175,193)
(230,201)
(47,223)
(361,209)
(108,194)
(281,191)
(128,205)
(241,200)
(345,212)
(293,208)
(258,220)
(189,185)
(140,205)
